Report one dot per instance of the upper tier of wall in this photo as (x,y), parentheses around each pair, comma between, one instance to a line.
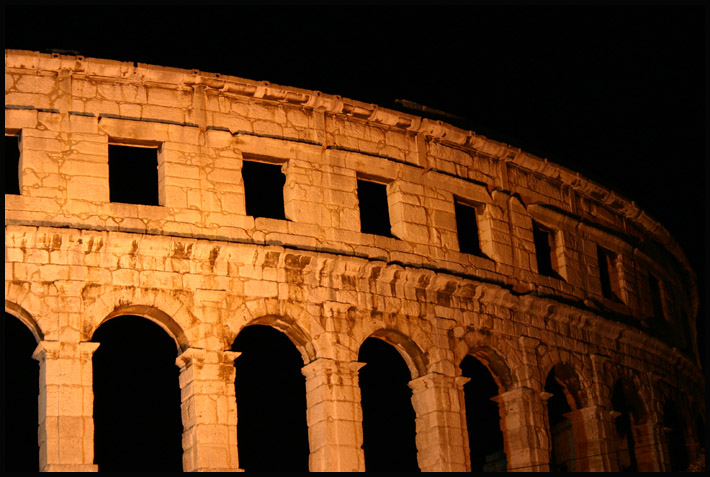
(68,109)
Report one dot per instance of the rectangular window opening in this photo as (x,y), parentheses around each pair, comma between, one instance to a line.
(374,208)
(685,326)
(467,228)
(609,274)
(133,174)
(654,286)
(12,164)
(545,247)
(264,189)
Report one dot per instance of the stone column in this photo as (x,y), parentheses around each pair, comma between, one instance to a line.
(525,435)
(440,435)
(460,383)
(334,416)
(209,411)
(594,444)
(66,406)
(649,450)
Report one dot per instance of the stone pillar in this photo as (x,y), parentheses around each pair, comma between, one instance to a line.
(66,406)
(648,440)
(440,434)
(525,435)
(460,383)
(334,416)
(209,411)
(594,444)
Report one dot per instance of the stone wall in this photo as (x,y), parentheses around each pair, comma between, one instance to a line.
(201,268)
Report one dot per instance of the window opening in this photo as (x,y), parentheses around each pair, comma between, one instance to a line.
(544,250)
(137,410)
(608,274)
(685,324)
(625,443)
(654,286)
(133,174)
(562,446)
(270,390)
(675,437)
(467,228)
(388,418)
(264,189)
(374,208)
(12,164)
(485,438)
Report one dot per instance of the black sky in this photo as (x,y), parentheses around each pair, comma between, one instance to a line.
(614,92)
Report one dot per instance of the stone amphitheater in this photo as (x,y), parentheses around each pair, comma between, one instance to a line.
(561,288)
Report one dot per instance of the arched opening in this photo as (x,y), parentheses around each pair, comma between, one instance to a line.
(388,418)
(485,438)
(675,437)
(20,388)
(562,386)
(272,431)
(624,421)
(137,416)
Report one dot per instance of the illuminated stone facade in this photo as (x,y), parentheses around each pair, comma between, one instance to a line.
(199,266)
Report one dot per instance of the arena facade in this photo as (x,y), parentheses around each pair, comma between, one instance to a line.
(336,222)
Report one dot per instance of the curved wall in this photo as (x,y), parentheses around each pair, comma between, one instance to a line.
(199,266)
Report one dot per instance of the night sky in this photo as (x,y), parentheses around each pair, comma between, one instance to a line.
(616,93)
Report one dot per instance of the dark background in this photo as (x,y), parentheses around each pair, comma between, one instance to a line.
(614,92)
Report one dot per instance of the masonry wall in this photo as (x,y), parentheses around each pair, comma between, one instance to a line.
(203,269)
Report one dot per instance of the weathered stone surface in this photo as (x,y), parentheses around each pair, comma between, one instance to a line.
(201,268)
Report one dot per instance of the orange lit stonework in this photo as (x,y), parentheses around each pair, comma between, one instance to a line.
(197,265)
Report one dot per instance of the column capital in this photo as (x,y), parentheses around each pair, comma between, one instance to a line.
(191,356)
(585,412)
(428,380)
(228,357)
(518,392)
(200,356)
(46,349)
(544,395)
(88,348)
(319,365)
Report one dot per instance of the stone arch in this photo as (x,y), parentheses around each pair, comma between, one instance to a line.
(287,317)
(25,301)
(406,347)
(667,393)
(270,395)
(405,334)
(485,348)
(298,336)
(155,305)
(576,379)
(634,392)
(389,389)
(26,318)
(676,422)
(567,376)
